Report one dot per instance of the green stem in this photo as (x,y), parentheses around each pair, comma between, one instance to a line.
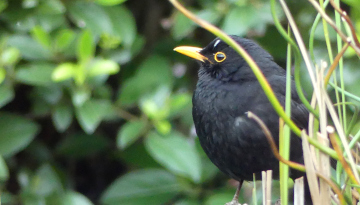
(350,95)
(297,60)
(354,140)
(312,33)
(341,66)
(353,120)
(285,138)
(331,57)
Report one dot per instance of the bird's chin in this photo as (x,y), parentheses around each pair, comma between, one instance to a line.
(205,64)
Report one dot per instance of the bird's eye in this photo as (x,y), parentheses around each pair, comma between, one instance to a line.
(219,57)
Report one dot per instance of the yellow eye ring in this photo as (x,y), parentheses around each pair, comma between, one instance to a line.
(219,57)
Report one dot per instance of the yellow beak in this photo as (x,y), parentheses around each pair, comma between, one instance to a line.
(193,52)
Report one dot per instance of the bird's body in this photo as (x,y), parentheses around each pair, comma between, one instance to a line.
(226,90)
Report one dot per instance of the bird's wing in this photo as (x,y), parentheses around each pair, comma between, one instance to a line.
(299,113)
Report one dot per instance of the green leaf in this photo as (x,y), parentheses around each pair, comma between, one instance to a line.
(6,94)
(2,75)
(52,7)
(138,45)
(176,154)
(108,42)
(150,187)
(63,72)
(62,117)
(91,113)
(38,74)
(178,102)
(85,47)
(183,26)
(150,108)
(41,36)
(124,28)
(50,94)
(187,202)
(3,5)
(153,72)
(156,105)
(94,17)
(129,133)
(209,170)
(163,126)
(8,198)
(75,198)
(16,133)
(4,171)
(29,48)
(219,198)
(137,156)
(63,39)
(81,145)
(103,67)
(10,56)
(30,3)
(109,2)
(242,16)
(249,17)
(80,95)
(45,181)
(32,199)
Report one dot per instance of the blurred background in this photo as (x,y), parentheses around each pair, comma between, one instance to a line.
(95,107)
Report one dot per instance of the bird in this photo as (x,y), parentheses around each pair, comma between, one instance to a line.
(225,91)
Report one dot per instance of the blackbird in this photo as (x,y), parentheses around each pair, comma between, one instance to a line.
(226,90)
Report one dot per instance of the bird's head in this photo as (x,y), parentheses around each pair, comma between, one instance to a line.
(222,62)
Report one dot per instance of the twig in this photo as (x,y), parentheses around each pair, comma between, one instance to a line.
(332,24)
(310,171)
(292,164)
(300,42)
(336,61)
(272,143)
(126,115)
(347,19)
(341,133)
(342,160)
(299,191)
(324,165)
(266,186)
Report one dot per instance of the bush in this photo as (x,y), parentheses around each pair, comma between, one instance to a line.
(96,108)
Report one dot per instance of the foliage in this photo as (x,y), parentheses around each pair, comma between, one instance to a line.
(96,108)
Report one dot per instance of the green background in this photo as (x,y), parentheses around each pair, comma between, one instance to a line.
(95,107)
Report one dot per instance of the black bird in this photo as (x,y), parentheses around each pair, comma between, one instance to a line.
(226,90)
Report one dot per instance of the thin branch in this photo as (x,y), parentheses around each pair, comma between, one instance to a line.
(332,24)
(300,43)
(341,133)
(272,143)
(291,164)
(337,148)
(348,21)
(336,61)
